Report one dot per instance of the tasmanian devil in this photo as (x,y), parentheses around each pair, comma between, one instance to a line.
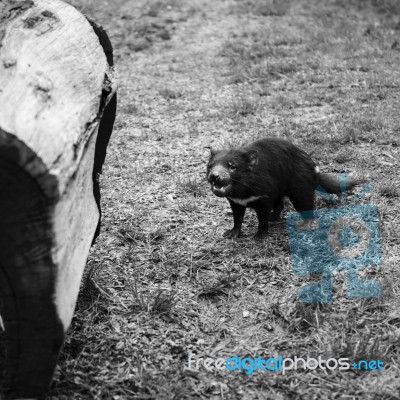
(261,174)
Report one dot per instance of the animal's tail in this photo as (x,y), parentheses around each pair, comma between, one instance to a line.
(333,184)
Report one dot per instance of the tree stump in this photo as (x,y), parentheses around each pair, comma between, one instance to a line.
(57,109)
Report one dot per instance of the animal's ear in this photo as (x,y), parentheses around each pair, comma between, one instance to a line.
(252,157)
(213,152)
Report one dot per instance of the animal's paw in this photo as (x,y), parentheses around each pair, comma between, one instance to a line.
(261,235)
(232,233)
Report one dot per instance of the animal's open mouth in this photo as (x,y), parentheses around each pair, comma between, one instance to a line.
(219,184)
(219,189)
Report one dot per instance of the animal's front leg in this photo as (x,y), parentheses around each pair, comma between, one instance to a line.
(238,214)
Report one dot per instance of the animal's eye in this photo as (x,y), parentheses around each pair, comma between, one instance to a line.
(232,166)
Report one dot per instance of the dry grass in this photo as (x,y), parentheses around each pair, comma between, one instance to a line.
(162,282)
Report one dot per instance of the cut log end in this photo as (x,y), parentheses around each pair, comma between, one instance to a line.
(54,129)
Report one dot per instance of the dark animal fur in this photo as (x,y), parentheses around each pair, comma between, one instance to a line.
(267,170)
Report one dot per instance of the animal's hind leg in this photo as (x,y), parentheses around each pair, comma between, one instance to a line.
(262,207)
(303,202)
(278,207)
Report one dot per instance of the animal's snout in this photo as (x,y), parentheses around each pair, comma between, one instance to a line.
(215,177)
(218,177)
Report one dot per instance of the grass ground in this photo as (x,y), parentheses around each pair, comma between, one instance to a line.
(161,282)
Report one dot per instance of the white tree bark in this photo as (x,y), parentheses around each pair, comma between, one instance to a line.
(55,81)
